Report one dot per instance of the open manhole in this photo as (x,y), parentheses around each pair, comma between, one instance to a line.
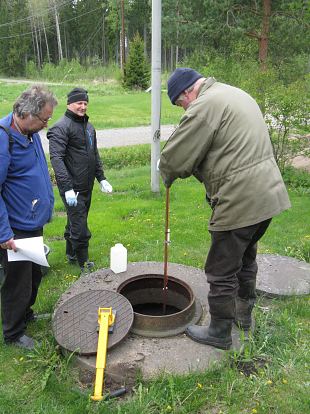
(145,293)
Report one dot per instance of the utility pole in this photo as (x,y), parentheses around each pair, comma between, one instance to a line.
(156,93)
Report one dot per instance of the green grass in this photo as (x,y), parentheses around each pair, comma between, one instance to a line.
(110,106)
(271,375)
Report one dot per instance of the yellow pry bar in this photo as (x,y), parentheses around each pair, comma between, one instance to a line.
(105,319)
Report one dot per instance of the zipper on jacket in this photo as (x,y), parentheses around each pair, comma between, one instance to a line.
(89,137)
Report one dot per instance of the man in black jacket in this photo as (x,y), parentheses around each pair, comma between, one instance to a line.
(76,162)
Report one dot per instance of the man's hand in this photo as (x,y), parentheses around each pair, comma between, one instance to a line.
(71,198)
(105,186)
(9,245)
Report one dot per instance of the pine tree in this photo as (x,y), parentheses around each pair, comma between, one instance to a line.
(136,73)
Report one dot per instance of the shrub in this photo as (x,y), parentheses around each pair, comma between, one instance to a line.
(286,111)
(122,157)
(297,179)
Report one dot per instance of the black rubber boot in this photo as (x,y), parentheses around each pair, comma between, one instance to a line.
(218,334)
(244,309)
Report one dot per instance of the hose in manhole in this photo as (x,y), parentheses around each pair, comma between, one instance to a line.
(145,293)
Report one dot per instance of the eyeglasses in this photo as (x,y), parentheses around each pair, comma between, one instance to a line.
(44,121)
(179,100)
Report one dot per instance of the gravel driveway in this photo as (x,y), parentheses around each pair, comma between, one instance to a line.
(119,137)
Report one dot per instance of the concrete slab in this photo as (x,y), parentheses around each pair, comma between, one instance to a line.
(151,356)
(277,276)
(282,276)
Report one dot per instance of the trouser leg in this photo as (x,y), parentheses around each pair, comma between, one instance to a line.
(36,281)
(231,264)
(247,275)
(245,299)
(18,292)
(232,256)
(77,232)
(69,247)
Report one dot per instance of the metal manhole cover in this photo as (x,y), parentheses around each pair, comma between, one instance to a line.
(75,322)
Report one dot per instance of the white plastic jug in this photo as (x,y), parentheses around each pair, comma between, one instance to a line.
(118,258)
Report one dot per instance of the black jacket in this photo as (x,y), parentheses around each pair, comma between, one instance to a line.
(74,154)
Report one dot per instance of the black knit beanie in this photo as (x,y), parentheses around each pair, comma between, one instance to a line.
(77,95)
(181,79)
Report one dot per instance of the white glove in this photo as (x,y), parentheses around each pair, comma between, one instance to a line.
(105,186)
(157,165)
(71,198)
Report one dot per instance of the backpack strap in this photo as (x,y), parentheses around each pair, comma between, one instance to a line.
(11,139)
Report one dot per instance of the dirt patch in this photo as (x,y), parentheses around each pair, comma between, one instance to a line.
(251,367)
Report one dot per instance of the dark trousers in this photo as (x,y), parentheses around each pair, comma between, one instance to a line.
(19,291)
(77,233)
(231,267)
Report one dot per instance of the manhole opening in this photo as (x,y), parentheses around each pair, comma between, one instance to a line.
(146,295)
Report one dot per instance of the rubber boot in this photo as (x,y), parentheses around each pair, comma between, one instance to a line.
(244,309)
(244,302)
(218,334)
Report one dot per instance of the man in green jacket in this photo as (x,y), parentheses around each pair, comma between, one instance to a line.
(223,141)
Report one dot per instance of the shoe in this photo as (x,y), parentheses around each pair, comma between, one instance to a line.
(87,268)
(24,342)
(71,259)
(218,334)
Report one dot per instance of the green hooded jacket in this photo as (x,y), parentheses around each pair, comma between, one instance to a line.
(223,141)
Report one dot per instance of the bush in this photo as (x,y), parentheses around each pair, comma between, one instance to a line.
(286,112)
(297,179)
(123,157)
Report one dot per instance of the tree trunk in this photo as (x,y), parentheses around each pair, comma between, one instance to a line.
(103,50)
(60,55)
(263,40)
(177,40)
(40,45)
(145,40)
(165,58)
(33,39)
(37,44)
(46,42)
(122,43)
(65,37)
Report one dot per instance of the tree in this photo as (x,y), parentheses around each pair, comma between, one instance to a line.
(16,46)
(137,73)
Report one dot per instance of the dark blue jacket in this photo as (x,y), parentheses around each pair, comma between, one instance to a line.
(26,198)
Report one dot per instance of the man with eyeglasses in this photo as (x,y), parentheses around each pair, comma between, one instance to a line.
(26,204)
(76,162)
(223,141)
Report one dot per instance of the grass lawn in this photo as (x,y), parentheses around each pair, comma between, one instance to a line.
(270,376)
(109,106)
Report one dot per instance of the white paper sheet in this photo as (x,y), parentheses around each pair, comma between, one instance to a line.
(31,249)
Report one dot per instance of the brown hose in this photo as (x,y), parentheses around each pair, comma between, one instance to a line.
(167,241)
